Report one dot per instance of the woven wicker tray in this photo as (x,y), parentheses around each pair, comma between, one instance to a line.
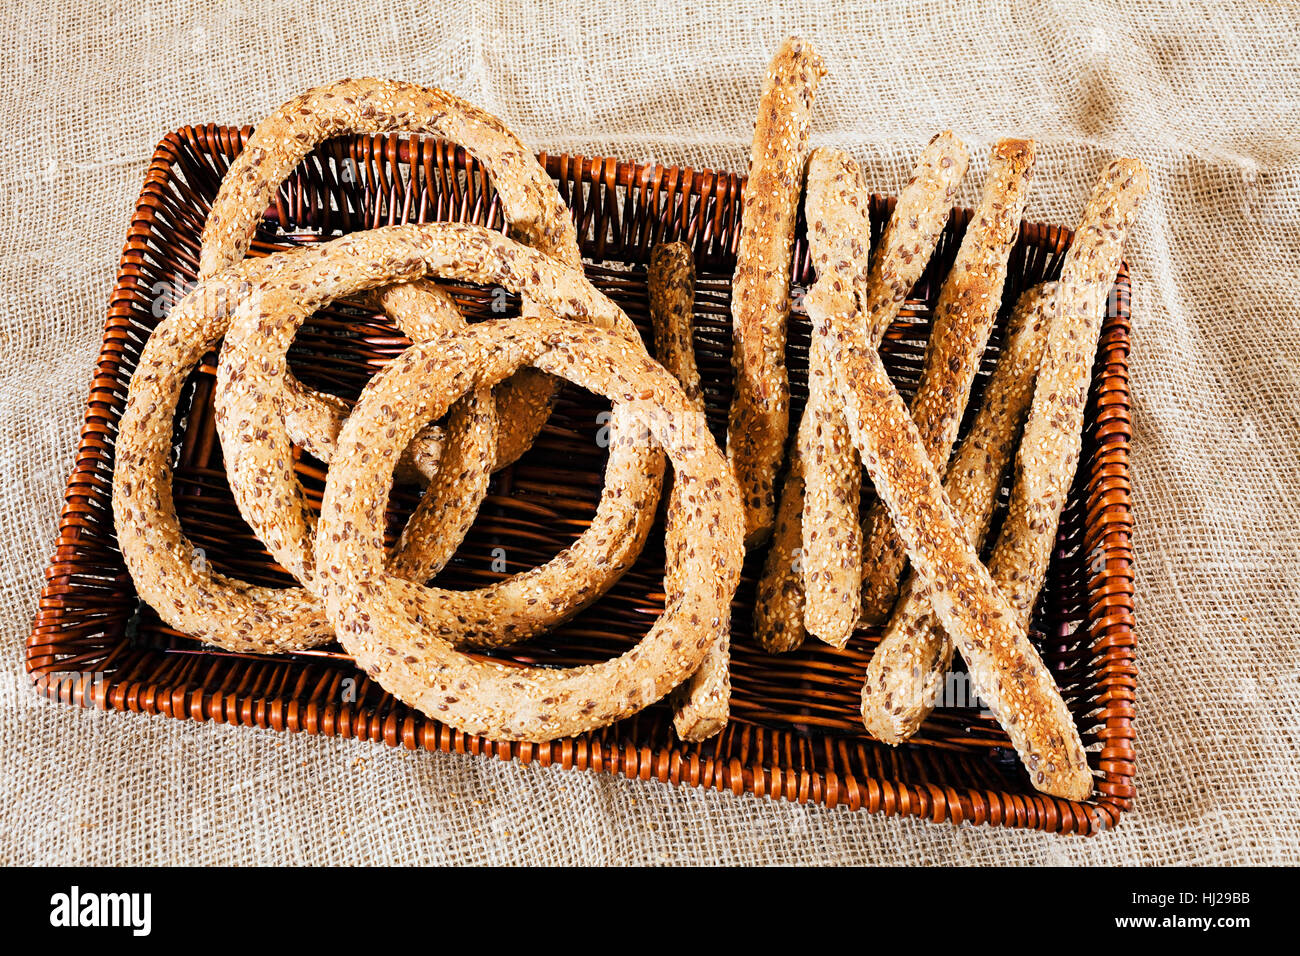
(795,731)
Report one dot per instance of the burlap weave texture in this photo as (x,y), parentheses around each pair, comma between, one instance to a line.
(1208,97)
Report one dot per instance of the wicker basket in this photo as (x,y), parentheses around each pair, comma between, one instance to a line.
(795,731)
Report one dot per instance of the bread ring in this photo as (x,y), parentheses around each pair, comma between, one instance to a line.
(256,445)
(167,571)
(1005,669)
(703,702)
(905,675)
(373,612)
(237,616)
(963,318)
(760,294)
(529,199)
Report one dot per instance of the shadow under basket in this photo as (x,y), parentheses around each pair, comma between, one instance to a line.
(795,730)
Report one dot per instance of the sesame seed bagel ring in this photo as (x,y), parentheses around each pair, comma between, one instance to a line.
(529,199)
(373,611)
(257,447)
(169,573)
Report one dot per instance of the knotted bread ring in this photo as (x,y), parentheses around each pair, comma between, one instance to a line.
(530,201)
(238,616)
(392,627)
(258,449)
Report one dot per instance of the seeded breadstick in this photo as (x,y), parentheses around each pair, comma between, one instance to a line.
(1049,450)
(963,318)
(1006,672)
(911,234)
(529,198)
(171,576)
(760,293)
(919,217)
(778,607)
(392,627)
(671,280)
(837,209)
(704,700)
(907,671)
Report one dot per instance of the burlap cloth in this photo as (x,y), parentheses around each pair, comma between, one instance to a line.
(1209,100)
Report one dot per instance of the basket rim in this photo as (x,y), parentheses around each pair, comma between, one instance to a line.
(1109,519)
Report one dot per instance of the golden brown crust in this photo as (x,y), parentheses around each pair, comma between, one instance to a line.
(703,702)
(169,573)
(1049,449)
(529,198)
(167,570)
(313,418)
(760,294)
(837,208)
(963,318)
(908,669)
(391,627)
(1005,670)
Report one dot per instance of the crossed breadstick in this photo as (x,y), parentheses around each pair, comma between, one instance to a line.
(838,217)
(963,318)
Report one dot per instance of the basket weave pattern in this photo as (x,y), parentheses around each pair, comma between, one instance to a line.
(795,730)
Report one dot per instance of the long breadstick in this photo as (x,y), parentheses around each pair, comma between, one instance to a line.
(905,248)
(1049,450)
(760,294)
(904,677)
(839,237)
(778,607)
(1005,670)
(919,217)
(963,318)
(703,701)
